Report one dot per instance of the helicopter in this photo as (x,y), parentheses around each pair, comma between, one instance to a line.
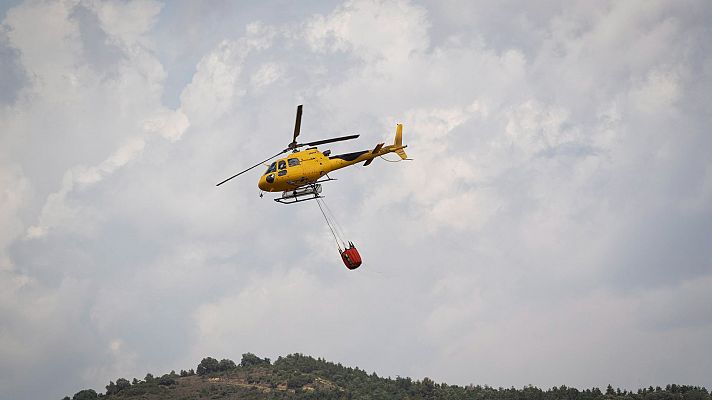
(300,174)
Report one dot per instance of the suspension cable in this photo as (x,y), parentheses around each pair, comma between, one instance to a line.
(338,227)
(318,202)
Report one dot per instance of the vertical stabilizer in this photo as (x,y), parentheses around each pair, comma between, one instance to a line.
(398,142)
(399,136)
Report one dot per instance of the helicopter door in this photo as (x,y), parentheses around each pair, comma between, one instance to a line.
(282,165)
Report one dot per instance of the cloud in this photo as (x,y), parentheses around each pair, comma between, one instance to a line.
(657,93)
(371,30)
(14,76)
(685,306)
(267,74)
(167,123)
(57,212)
(127,22)
(557,207)
(56,44)
(213,89)
(14,191)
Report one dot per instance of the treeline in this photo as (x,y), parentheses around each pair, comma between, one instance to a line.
(138,387)
(135,387)
(303,377)
(358,384)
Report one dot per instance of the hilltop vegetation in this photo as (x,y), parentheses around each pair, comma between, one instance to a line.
(302,377)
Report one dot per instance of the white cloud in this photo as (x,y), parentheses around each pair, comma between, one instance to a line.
(14,190)
(371,30)
(214,87)
(57,211)
(532,129)
(265,75)
(657,93)
(127,22)
(49,55)
(167,123)
(212,90)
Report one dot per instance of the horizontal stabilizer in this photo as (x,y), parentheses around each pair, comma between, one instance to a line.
(401,153)
(374,152)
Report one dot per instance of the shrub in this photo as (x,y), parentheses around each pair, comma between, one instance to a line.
(166,380)
(298,380)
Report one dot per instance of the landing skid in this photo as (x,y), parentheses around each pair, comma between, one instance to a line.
(310,192)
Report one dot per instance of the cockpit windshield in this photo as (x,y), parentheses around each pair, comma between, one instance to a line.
(272,168)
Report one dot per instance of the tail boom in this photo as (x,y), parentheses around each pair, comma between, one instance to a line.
(367,156)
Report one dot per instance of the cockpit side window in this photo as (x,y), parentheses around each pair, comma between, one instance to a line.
(281,164)
(272,168)
(293,162)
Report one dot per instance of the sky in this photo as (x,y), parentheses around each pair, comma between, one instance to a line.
(553,227)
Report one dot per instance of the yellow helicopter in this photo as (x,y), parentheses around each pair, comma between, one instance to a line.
(300,174)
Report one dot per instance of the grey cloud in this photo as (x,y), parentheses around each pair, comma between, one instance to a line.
(104,56)
(558,202)
(668,309)
(662,250)
(14,76)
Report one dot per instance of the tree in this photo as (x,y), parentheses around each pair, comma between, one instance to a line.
(226,365)
(86,394)
(148,378)
(428,388)
(403,383)
(207,365)
(122,384)
(249,359)
(111,388)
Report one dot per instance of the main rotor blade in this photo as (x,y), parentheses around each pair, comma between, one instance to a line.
(252,167)
(338,139)
(297,126)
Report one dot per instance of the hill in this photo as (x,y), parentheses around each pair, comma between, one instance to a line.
(302,377)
